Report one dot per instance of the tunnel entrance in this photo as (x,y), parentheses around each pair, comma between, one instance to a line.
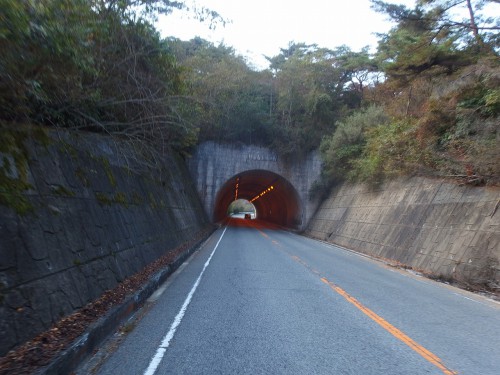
(274,198)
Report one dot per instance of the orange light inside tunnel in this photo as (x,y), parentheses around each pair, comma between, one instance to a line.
(275,198)
(236,189)
(264,192)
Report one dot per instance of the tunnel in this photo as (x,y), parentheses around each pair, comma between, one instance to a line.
(274,198)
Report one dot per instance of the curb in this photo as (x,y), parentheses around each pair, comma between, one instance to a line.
(84,346)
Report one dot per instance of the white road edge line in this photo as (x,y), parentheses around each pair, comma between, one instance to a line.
(157,294)
(160,352)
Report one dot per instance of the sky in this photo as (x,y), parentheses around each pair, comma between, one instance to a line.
(260,28)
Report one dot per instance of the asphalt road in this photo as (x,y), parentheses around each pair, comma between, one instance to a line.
(271,302)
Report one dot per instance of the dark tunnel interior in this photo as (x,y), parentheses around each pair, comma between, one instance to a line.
(274,198)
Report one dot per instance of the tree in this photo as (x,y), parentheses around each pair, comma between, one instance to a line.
(98,65)
(445,11)
(44,53)
(341,149)
(418,45)
(443,20)
(311,94)
(152,8)
(231,99)
(441,70)
(362,69)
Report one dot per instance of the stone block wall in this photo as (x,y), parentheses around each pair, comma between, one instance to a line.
(446,230)
(97,213)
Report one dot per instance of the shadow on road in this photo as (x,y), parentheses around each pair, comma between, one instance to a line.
(251,223)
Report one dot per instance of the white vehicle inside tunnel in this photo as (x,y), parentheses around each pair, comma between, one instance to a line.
(274,198)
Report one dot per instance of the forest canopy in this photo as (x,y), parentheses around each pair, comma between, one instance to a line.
(426,102)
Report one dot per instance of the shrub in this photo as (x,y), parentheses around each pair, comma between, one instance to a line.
(346,144)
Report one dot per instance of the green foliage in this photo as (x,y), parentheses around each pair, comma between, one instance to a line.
(414,47)
(83,177)
(431,39)
(152,201)
(77,262)
(109,172)
(491,102)
(486,101)
(288,108)
(106,200)
(94,65)
(314,88)
(230,99)
(391,150)
(14,169)
(443,23)
(346,144)
(469,127)
(103,199)
(120,198)
(101,66)
(136,198)
(441,91)
(63,191)
(477,29)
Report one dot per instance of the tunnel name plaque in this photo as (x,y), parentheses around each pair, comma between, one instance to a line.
(260,157)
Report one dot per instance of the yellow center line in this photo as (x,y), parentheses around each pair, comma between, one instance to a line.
(266,236)
(429,356)
(426,354)
(397,333)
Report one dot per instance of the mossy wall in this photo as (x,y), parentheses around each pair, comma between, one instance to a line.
(79,213)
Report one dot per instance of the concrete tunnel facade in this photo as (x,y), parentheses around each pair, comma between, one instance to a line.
(215,168)
(275,199)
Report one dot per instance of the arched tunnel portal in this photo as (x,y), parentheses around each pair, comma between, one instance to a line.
(274,198)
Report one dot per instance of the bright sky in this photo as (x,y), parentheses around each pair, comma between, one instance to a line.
(262,27)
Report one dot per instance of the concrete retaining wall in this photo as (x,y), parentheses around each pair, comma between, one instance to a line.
(449,231)
(97,215)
